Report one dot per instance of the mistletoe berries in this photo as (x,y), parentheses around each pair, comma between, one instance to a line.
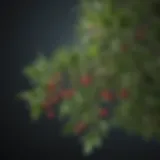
(124,93)
(103,112)
(80,127)
(67,94)
(50,115)
(51,86)
(45,105)
(50,101)
(107,95)
(85,80)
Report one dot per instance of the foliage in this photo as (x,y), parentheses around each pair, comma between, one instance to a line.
(112,80)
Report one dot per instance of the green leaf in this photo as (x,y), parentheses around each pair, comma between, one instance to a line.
(68,128)
(31,73)
(78,98)
(64,109)
(41,63)
(104,127)
(96,139)
(88,147)
(93,50)
(37,69)
(115,45)
(27,95)
(91,141)
(62,57)
(35,111)
(98,142)
(85,117)
(34,97)
(124,18)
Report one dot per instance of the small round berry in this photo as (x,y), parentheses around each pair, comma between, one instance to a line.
(86,80)
(80,127)
(103,112)
(124,93)
(55,99)
(51,86)
(106,95)
(45,105)
(50,115)
(67,94)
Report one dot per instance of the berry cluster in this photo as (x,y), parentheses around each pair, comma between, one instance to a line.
(56,94)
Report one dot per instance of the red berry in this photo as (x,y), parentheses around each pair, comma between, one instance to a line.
(67,93)
(124,93)
(51,86)
(50,115)
(53,81)
(45,105)
(50,101)
(86,80)
(107,95)
(55,99)
(80,127)
(103,112)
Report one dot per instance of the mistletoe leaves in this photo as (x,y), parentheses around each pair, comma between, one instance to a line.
(42,69)
(72,107)
(35,111)
(91,141)
(112,58)
(93,51)
(34,98)
(39,72)
(60,59)
(88,146)
(64,60)
(68,128)
(104,127)
(36,71)
(125,18)
(65,109)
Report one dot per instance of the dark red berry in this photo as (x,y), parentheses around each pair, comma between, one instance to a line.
(45,105)
(124,93)
(106,95)
(51,86)
(67,93)
(80,127)
(50,115)
(86,80)
(55,99)
(103,112)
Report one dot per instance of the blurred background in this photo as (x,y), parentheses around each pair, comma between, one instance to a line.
(29,27)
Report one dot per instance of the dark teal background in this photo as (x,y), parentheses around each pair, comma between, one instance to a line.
(29,27)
